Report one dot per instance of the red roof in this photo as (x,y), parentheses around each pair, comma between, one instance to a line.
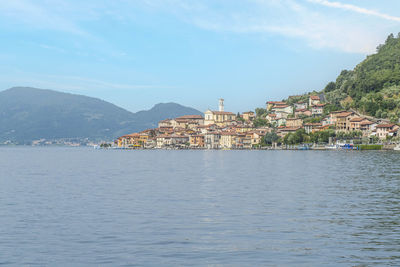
(357,119)
(319,105)
(366,122)
(314,97)
(222,113)
(344,114)
(276,102)
(280,106)
(191,117)
(389,125)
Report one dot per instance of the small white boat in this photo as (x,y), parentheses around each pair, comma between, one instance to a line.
(330,147)
(397,147)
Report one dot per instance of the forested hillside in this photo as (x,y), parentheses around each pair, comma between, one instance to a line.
(373,87)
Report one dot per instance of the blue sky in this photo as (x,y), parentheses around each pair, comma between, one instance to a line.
(139,53)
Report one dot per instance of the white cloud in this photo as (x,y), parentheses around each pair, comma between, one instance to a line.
(287,18)
(356,9)
(35,15)
(298,19)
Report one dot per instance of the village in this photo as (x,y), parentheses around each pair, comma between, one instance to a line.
(304,124)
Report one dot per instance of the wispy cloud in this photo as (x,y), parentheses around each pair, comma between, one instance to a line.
(356,9)
(72,83)
(38,15)
(288,18)
(299,19)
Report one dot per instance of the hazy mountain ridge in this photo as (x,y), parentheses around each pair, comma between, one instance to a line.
(28,114)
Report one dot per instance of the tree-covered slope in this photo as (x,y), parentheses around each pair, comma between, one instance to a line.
(373,87)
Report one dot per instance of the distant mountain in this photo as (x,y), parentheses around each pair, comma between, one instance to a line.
(28,114)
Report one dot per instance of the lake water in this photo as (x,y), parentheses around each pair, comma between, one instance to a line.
(79,207)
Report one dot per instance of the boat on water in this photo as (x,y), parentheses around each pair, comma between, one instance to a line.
(331,147)
(303,147)
(347,146)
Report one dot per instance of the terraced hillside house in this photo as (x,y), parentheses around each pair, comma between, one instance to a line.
(271,104)
(313,100)
(302,113)
(248,116)
(300,105)
(317,109)
(294,122)
(283,109)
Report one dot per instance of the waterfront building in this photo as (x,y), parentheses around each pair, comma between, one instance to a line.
(211,140)
(367,127)
(196,140)
(385,130)
(343,121)
(227,139)
(130,140)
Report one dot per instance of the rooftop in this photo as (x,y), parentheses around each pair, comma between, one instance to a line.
(389,125)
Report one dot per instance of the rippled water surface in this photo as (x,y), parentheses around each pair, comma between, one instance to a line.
(74,207)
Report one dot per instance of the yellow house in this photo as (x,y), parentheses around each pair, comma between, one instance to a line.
(294,122)
(247,116)
(129,140)
(227,139)
(343,121)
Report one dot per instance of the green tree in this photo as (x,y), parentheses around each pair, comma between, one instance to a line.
(330,87)
(270,138)
(259,122)
(261,112)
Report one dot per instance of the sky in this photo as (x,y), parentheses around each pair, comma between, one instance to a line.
(137,53)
